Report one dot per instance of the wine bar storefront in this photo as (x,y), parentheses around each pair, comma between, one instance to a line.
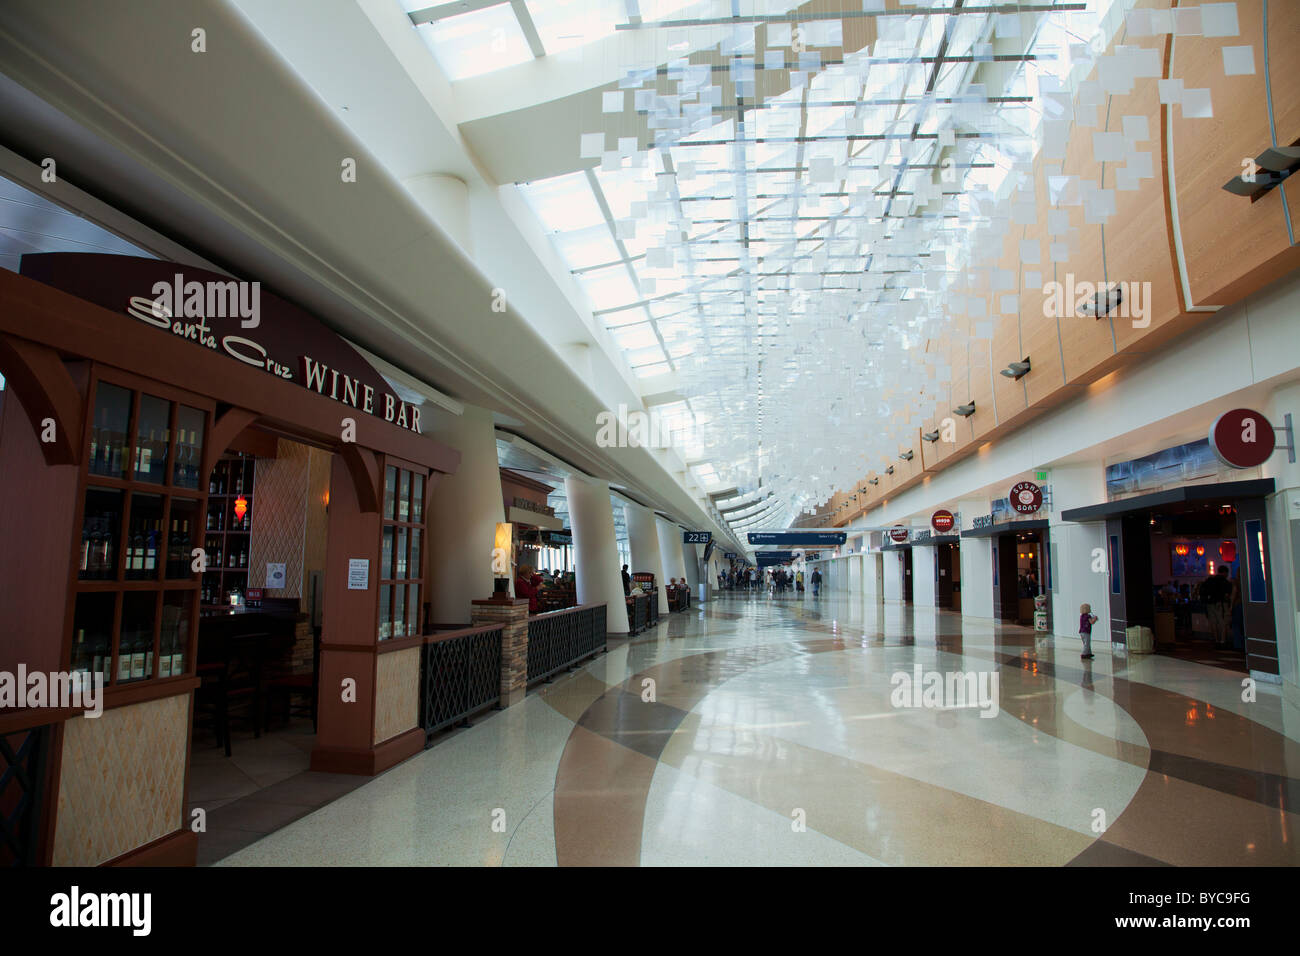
(193,472)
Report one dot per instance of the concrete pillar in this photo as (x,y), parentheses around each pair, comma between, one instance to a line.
(923,571)
(596,550)
(1282,511)
(446,199)
(976,564)
(873,577)
(691,554)
(1077,552)
(670,548)
(463,517)
(643,541)
(895,566)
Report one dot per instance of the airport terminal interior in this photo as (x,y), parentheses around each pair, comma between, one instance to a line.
(666,433)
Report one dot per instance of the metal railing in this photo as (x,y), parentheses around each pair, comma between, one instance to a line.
(23,768)
(460,674)
(560,639)
(639,610)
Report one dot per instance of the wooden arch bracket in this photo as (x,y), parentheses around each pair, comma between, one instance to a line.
(48,395)
(225,427)
(363,466)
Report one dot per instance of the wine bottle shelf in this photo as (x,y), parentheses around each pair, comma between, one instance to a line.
(227,533)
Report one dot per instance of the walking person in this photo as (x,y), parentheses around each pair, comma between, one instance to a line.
(817,582)
(1086,620)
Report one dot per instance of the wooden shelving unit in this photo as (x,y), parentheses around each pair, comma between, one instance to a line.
(227,537)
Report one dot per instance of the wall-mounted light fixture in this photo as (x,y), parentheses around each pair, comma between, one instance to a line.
(873,481)
(889,470)
(1104,302)
(1017,370)
(907,455)
(965,411)
(931,436)
(1274,165)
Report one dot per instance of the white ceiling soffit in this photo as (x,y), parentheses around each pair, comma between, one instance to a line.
(230,150)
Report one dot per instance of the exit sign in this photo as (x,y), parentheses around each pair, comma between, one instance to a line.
(1042,475)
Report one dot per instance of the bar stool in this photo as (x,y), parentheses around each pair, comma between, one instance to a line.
(231,681)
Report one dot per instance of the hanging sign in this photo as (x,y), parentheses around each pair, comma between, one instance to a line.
(898,534)
(1025,498)
(1242,438)
(697,537)
(793,539)
(942,521)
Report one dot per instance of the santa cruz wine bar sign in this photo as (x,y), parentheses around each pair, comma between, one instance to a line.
(235,319)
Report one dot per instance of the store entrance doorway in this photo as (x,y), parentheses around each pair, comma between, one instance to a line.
(947,556)
(907,575)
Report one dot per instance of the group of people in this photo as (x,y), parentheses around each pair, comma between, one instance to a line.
(673,583)
(775,580)
(1220,595)
(533,584)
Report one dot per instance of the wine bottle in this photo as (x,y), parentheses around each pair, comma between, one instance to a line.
(81,653)
(123,659)
(94,448)
(84,570)
(135,554)
(179,645)
(165,652)
(243,557)
(137,656)
(151,552)
(99,654)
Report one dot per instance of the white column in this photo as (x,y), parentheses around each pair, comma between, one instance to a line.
(463,518)
(923,590)
(691,554)
(895,567)
(976,564)
(643,541)
(596,550)
(670,548)
(873,577)
(1282,509)
(1079,574)
(446,199)
(855,575)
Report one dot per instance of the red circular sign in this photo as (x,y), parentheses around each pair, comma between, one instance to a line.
(1026,497)
(898,534)
(942,521)
(1242,438)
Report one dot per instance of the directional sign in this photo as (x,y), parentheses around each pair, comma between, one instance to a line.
(766,558)
(697,537)
(797,539)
